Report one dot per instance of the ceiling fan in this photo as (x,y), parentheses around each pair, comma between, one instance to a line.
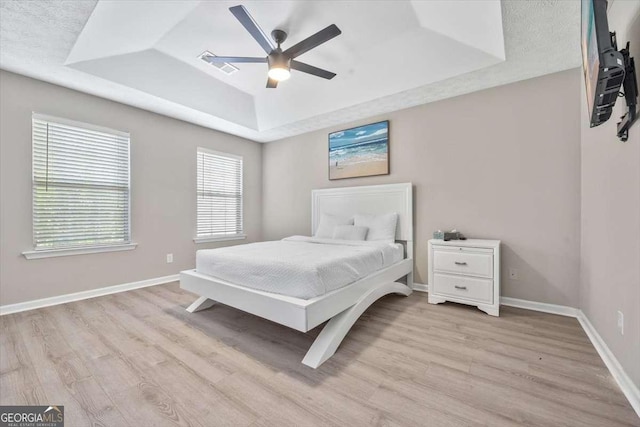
(280,62)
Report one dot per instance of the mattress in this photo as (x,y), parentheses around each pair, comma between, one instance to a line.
(298,266)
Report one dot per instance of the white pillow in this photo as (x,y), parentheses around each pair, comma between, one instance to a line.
(328,222)
(381,227)
(349,232)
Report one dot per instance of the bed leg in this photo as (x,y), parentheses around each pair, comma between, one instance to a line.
(334,332)
(202,303)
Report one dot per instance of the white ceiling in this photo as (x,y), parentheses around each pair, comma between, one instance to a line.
(391,55)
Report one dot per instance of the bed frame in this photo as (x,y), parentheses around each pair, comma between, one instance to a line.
(341,307)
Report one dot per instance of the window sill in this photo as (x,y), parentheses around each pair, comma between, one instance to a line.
(220,238)
(50,253)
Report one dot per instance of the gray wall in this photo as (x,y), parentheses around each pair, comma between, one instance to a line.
(610,250)
(163,180)
(503,163)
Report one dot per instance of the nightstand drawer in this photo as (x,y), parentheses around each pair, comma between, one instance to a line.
(459,262)
(470,288)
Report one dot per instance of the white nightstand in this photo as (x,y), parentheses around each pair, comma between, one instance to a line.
(467,272)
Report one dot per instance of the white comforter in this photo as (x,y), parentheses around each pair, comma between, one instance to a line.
(298,266)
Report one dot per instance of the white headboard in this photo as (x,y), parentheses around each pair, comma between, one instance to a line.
(370,199)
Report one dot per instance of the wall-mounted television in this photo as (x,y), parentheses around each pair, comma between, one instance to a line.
(603,65)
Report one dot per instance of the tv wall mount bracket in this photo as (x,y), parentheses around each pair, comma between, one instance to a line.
(629,89)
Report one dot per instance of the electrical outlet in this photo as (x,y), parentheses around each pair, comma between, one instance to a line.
(169,258)
(513,274)
(621,322)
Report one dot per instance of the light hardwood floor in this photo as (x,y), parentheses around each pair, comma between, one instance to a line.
(139,359)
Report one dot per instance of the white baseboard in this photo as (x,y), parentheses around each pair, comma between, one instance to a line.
(629,389)
(77,296)
(420,287)
(561,310)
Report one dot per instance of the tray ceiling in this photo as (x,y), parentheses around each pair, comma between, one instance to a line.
(391,55)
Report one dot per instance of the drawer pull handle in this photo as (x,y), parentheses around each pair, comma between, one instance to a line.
(460,263)
(464,288)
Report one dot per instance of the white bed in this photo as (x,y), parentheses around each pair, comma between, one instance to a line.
(298,266)
(302,282)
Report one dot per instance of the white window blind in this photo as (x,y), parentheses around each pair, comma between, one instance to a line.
(219,191)
(80,184)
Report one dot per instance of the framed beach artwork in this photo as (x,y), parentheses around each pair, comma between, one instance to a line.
(361,151)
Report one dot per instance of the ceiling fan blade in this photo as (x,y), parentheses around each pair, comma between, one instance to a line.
(310,69)
(272,83)
(250,25)
(315,40)
(233,59)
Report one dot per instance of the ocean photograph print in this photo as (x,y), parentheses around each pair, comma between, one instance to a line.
(360,151)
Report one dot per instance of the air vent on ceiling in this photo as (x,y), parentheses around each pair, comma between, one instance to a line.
(225,67)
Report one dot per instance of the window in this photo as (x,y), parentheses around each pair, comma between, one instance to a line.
(80,186)
(219,190)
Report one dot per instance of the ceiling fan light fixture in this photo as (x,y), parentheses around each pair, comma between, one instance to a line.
(279,74)
(280,62)
(279,66)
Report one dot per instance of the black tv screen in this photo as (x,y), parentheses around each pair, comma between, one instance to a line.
(590,52)
(602,64)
